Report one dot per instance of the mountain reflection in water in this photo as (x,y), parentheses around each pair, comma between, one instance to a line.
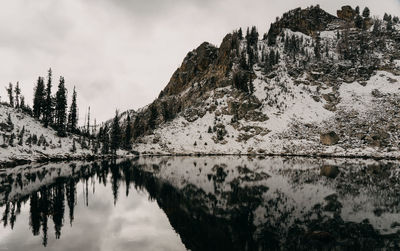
(203,203)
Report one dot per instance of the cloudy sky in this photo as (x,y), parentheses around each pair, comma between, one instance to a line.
(121,53)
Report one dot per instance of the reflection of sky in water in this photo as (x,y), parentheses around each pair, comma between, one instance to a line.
(134,223)
(213,203)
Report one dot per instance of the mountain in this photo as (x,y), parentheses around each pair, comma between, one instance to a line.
(315,84)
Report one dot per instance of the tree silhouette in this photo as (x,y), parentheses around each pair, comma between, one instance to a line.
(48,106)
(10,94)
(366,12)
(128,133)
(73,114)
(17,95)
(61,108)
(39,98)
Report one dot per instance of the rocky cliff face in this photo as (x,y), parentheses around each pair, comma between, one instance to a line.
(311,74)
(307,21)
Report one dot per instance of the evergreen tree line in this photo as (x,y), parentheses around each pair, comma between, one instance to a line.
(113,137)
(51,109)
(15,99)
(270,59)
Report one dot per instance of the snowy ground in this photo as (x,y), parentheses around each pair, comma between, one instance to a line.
(20,150)
(276,135)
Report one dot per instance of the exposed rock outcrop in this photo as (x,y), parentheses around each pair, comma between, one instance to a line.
(347,13)
(330,138)
(308,21)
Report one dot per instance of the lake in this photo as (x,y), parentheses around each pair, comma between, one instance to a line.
(202,203)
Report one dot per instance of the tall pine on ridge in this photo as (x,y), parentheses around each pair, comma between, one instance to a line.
(61,108)
(10,94)
(17,91)
(48,107)
(39,98)
(73,114)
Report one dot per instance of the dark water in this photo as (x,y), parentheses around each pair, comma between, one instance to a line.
(207,203)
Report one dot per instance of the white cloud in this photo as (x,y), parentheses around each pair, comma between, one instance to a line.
(120,54)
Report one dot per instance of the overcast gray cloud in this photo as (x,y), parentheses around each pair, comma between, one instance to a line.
(120,54)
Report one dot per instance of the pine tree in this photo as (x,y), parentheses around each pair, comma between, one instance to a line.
(88,123)
(327,50)
(252,38)
(252,59)
(267,65)
(39,98)
(240,81)
(9,121)
(61,107)
(358,22)
(251,86)
(115,134)
(389,25)
(243,61)
(357,10)
(22,103)
(286,45)
(153,117)
(10,94)
(277,57)
(317,47)
(11,141)
(73,114)
(94,128)
(105,139)
(128,133)
(48,107)
(377,27)
(272,58)
(73,146)
(386,17)
(240,34)
(17,95)
(365,13)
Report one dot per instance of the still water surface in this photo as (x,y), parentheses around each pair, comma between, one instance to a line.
(201,203)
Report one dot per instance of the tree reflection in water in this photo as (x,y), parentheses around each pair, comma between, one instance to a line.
(223,206)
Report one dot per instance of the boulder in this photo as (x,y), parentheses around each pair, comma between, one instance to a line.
(329,171)
(330,138)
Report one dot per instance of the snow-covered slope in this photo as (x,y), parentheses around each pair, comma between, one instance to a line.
(352,90)
(31,140)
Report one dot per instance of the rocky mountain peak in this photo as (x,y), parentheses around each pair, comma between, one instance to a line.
(347,13)
(307,21)
(195,62)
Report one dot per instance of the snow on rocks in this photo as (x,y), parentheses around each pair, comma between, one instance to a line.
(292,128)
